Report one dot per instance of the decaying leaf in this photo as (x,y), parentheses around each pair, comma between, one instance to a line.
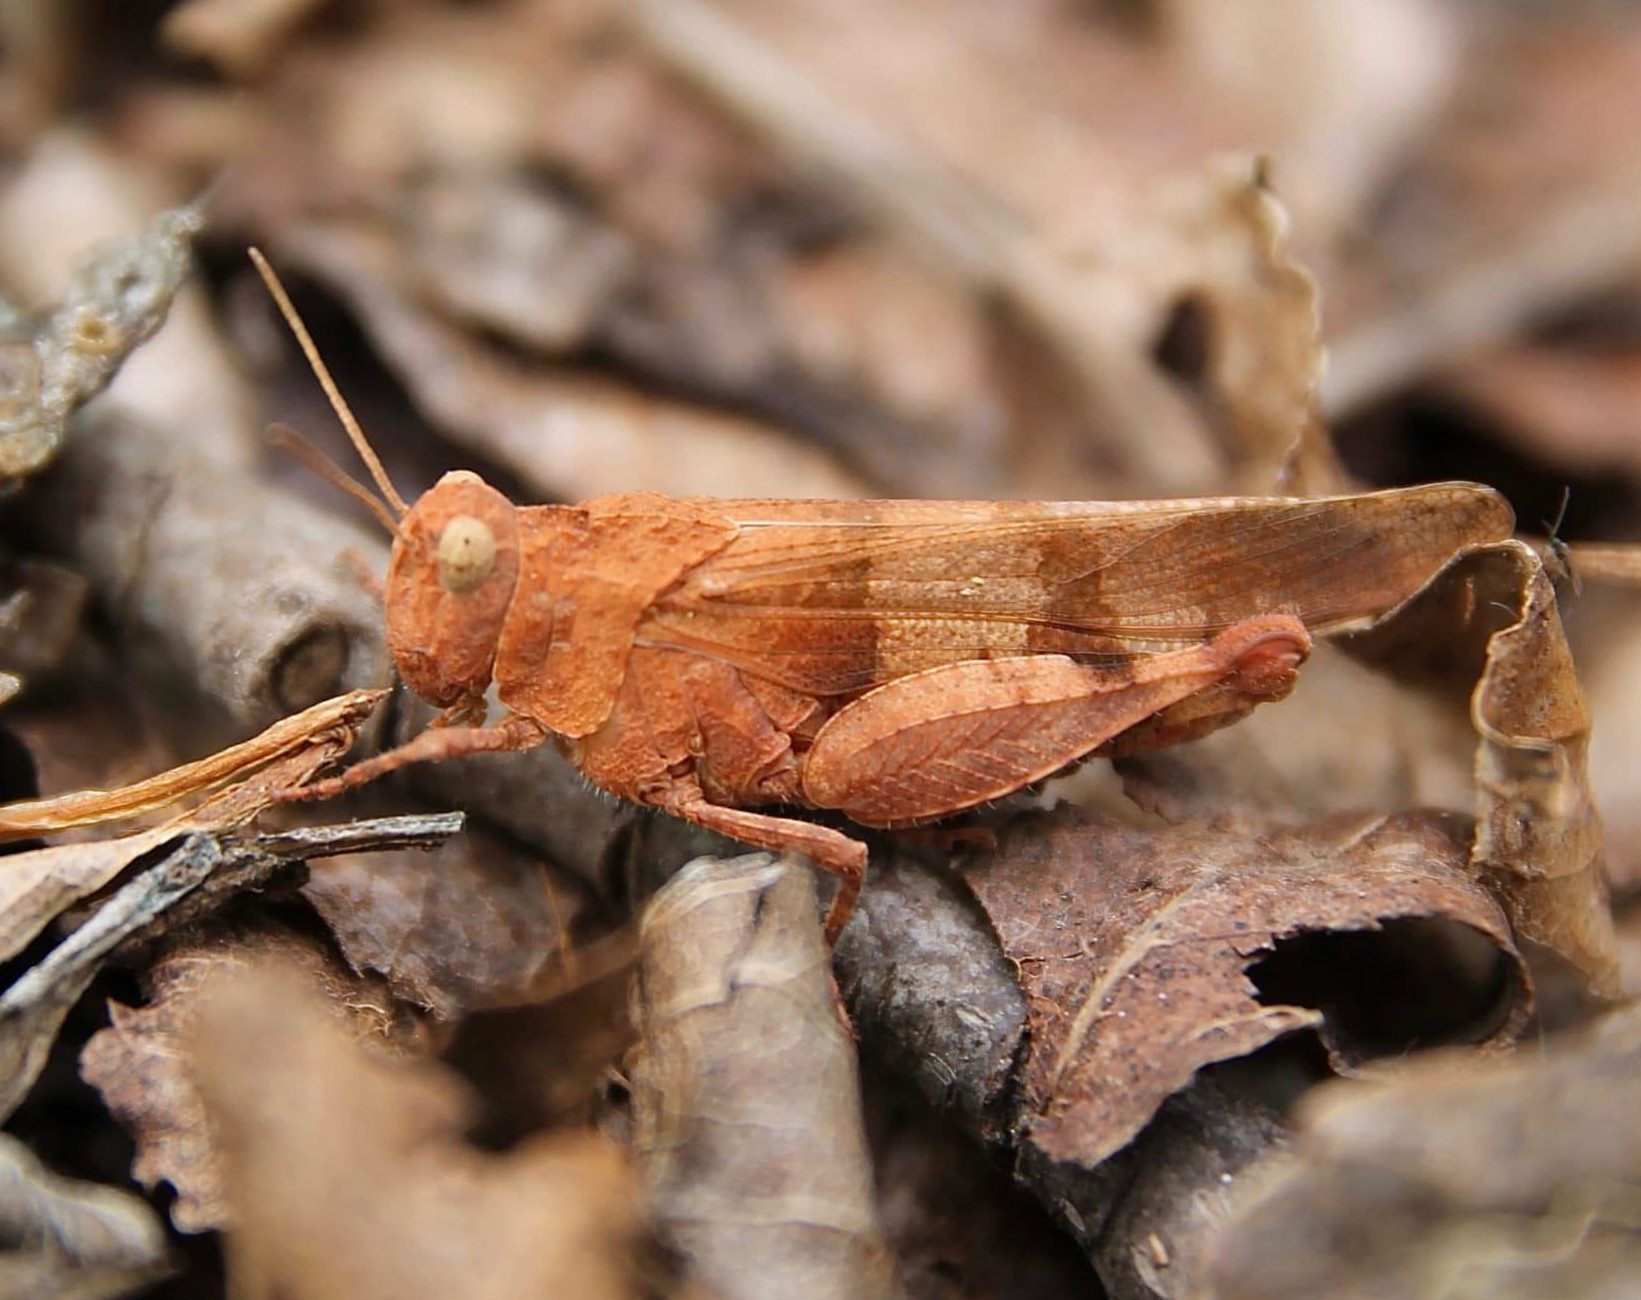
(348,1175)
(1538,835)
(143,1063)
(50,367)
(67,1238)
(746,1108)
(1483,640)
(471,924)
(1135,952)
(1450,1177)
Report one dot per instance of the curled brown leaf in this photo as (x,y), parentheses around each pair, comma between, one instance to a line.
(746,1107)
(1135,951)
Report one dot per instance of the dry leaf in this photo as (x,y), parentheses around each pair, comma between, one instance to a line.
(1574,410)
(1337,90)
(317,736)
(348,1175)
(505,253)
(143,1063)
(1491,619)
(240,36)
(1135,949)
(1484,637)
(39,885)
(746,1108)
(1097,280)
(40,613)
(569,435)
(711,270)
(77,191)
(470,924)
(1518,201)
(71,1239)
(1537,832)
(1511,1179)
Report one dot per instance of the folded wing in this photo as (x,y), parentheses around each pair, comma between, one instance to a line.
(832,598)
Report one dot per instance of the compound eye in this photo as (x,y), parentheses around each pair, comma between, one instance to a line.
(467,553)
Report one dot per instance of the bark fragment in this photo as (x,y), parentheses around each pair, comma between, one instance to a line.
(52,366)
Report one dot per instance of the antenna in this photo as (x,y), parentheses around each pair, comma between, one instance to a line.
(305,341)
(294,444)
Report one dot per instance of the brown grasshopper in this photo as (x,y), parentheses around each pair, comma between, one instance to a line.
(897,661)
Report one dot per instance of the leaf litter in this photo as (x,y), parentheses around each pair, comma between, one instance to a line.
(884,249)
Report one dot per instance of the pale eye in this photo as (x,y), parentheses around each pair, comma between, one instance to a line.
(467,553)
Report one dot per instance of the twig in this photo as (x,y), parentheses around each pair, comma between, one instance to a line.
(1583,243)
(32,1009)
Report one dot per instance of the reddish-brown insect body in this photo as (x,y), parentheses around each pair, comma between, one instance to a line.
(897,661)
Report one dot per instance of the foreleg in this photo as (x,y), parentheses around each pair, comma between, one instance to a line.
(436,743)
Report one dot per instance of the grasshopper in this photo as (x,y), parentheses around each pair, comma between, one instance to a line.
(896,661)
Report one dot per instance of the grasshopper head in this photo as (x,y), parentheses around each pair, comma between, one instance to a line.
(455,564)
(455,552)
